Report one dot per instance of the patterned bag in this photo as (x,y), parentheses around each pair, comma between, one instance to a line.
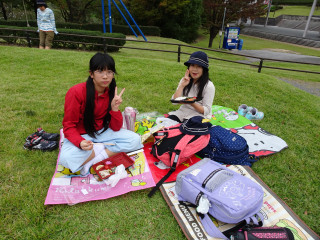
(228,148)
(263,233)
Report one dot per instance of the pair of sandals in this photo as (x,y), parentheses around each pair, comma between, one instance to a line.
(250,113)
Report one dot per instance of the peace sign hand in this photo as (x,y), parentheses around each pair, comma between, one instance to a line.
(117,100)
(186,79)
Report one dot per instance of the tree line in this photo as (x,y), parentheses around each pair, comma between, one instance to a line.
(178,19)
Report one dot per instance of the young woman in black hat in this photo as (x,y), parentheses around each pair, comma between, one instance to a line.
(195,83)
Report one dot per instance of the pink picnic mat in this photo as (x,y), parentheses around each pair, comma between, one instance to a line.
(72,188)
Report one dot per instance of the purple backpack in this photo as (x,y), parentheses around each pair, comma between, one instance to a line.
(232,197)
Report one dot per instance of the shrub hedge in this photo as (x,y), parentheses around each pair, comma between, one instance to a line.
(124,29)
(275,8)
(66,39)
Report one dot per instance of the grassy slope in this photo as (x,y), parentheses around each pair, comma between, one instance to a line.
(32,95)
(295,10)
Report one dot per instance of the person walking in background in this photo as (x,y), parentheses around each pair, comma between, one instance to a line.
(46,25)
(195,83)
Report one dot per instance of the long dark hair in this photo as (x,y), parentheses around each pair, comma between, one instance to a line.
(202,81)
(102,62)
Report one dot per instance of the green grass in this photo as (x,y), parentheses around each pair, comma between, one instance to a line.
(295,10)
(34,83)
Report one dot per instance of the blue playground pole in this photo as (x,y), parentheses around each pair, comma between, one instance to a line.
(133,20)
(103,18)
(110,19)
(124,18)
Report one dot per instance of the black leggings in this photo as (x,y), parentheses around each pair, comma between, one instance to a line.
(175,118)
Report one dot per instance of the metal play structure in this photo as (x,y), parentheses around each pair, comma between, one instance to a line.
(110,19)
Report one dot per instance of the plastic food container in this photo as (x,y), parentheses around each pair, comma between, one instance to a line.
(107,167)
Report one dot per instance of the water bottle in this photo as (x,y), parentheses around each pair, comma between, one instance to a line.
(130,114)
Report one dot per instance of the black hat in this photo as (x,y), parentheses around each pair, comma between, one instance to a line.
(199,58)
(196,126)
(41,2)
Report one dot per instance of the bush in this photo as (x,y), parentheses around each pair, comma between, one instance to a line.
(18,23)
(65,39)
(124,29)
(184,27)
(275,8)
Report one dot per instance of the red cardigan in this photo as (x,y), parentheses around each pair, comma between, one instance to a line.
(75,103)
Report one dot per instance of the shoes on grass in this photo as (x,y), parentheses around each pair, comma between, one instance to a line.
(243,109)
(41,140)
(254,114)
(41,133)
(38,143)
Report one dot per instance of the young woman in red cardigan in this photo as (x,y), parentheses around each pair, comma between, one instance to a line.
(92,117)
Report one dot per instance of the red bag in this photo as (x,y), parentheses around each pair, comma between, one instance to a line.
(174,145)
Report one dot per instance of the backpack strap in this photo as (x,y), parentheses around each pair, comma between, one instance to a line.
(184,141)
(172,169)
(255,220)
(210,228)
(174,160)
(214,232)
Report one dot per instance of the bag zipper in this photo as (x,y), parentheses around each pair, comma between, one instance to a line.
(211,175)
(231,157)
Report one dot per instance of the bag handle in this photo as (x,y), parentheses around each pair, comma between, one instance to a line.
(174,131)
(184,141)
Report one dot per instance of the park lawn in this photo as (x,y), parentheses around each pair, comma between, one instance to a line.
(295,10)
(34,83)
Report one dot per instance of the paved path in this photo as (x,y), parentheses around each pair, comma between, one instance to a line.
(310,87)
(278,54)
